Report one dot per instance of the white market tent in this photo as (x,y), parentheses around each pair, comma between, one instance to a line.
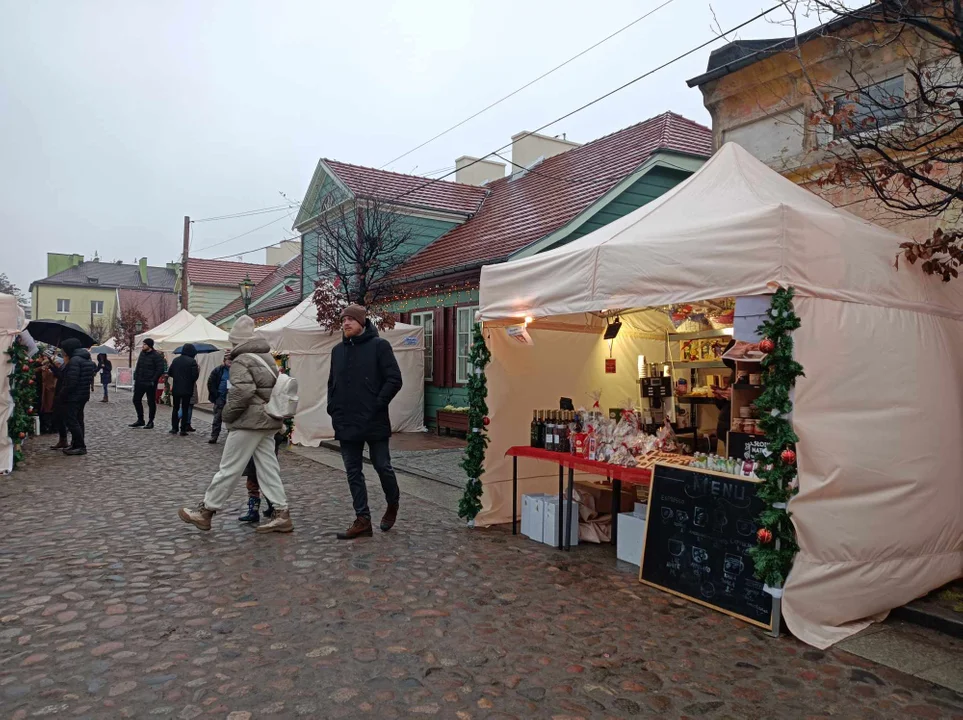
(879,413)
(298,335)
(169,326)
(198,330)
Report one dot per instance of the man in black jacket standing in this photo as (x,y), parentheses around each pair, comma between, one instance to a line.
(78,375)
(363,379)
(150,366)
(183,373)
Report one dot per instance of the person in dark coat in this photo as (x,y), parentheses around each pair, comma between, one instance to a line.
(150,366)
(105,368)
(78,376)
(217,384)
(58,367)
(183,373)
(723,397)
(363,379)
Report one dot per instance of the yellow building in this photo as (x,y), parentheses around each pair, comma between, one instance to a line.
(86,293)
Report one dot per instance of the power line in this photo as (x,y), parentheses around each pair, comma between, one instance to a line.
(260,227)
(248,252)
(529,84)
(246,213)
(601,97)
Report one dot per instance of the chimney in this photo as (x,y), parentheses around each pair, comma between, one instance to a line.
(142,265)
(529,148)
(472,171)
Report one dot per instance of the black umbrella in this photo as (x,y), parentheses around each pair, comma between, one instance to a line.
(54,332)
(103,349)
(201,348)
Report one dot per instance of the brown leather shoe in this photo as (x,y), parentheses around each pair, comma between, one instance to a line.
(199,517)
(390,516)
(281,522)
(360,528)
(61,445)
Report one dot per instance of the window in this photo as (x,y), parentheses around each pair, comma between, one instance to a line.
(466,322)
(427,321)
(96,307)
(63,306)
(875,107)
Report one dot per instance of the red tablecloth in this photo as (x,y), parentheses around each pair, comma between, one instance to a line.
(637,476)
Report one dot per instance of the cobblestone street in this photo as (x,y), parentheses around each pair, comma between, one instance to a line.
(112,607)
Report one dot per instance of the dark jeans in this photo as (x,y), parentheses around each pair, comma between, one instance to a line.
(217,422)
(105,384)
(74,421)
(140,390)
(352,453)
(181,404)
(189,414)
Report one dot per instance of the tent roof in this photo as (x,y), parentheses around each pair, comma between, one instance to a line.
(182,319)
(734,228)
(199,330)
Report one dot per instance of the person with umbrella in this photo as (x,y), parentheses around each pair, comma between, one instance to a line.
(105,368)
(183,373)
(79,374)
(150,366)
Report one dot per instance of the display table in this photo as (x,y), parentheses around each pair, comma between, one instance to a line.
(616,473)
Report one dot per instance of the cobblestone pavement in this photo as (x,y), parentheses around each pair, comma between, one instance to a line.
(111,607)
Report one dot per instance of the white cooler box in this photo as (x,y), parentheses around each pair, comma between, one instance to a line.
(550,521)
(631,534)
(533,512)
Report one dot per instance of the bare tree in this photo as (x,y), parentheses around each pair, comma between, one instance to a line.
(359,244)
(8,288)
(127,324)
(900,139)
(99,329)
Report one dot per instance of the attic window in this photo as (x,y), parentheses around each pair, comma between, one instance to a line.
(93,281)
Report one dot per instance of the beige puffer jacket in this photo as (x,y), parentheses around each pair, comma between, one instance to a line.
(251,385)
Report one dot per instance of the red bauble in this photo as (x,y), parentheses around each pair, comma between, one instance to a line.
(486,421)
(788,456)
(30,382)
(764,536)
(767,345)
(23,435)
(25,368)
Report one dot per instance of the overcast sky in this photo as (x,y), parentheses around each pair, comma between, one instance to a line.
(119,118)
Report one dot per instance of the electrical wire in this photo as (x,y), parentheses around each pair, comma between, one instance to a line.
(602,97)
(248,252)
(243,234)
(246,213)
(529,84)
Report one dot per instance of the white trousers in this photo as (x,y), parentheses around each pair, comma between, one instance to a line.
(241,445)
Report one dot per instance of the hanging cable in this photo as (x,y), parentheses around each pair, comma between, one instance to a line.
(243,234)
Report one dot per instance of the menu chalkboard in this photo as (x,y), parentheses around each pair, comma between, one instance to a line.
(700,527)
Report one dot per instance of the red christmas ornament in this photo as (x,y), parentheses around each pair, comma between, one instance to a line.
(788,456)
(23,435)
(486,421)
(30,382)
(25,368)
(764,535)
(767,345)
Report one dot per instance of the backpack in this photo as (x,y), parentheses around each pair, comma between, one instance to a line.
(284,395)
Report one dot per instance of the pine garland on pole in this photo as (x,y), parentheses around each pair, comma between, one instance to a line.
(23,390)
(777,546)
(473,462)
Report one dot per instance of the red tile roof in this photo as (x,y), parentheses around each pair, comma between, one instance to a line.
(156,306)
(533,204)
(291,268)
(409,189)
(224,274)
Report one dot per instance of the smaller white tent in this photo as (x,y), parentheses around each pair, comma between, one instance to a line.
(308,347)
(198,330)
(169,326)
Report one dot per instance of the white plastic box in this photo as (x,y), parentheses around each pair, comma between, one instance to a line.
(631,533)
(550,521)
(533,511)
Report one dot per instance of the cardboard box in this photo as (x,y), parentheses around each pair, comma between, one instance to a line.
(550,521)
(641,509)
(631,533)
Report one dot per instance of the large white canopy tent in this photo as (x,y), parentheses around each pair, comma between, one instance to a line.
(197,331)
(168,327)
(879,413)
(298,335)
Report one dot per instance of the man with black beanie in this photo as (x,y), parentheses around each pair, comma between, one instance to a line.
(78,375)
(183,373)
(150,366)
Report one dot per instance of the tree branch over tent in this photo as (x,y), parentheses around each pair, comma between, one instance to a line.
(127,324)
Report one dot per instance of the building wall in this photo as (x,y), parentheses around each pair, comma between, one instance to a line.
(208,299)
(286,251)
(45,298)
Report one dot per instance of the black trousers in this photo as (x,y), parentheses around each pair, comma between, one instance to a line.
(182,405)
(140,390)
(352,453)
(74,420)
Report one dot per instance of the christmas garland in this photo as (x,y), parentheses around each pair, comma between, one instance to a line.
(283,363)
(474,460)
(23,390)
(776,536)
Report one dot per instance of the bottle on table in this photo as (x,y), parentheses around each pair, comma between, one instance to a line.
(541,429)
(534,430)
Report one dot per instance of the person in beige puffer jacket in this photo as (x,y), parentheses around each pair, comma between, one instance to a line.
(253,375)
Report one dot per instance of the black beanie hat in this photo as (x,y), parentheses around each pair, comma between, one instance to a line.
(69,345)
(189,350)
(148,342)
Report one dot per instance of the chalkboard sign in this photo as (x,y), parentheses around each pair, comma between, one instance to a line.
(700,527)
(743,446)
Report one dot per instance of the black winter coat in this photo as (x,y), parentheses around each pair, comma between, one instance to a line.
(364,378)
(78,376)
(150,366)
(183,373)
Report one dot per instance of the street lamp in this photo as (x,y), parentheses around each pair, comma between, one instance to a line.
(247,285)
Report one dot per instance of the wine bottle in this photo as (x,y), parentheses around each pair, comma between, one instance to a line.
(534,430)
(541,429)
(550,432)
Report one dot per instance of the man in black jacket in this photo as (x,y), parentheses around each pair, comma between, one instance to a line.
(78,375)
(183,373)
(150,366)
(364,377)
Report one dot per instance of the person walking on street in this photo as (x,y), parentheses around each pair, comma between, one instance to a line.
(183,373)
(253,376)
(150,366)
(363,379)
(78,375)
(105,368)
(217,385)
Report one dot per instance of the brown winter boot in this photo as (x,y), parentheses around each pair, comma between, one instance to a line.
(62,444)
(199,517)
(390,516)
(360,528)
(281,522)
